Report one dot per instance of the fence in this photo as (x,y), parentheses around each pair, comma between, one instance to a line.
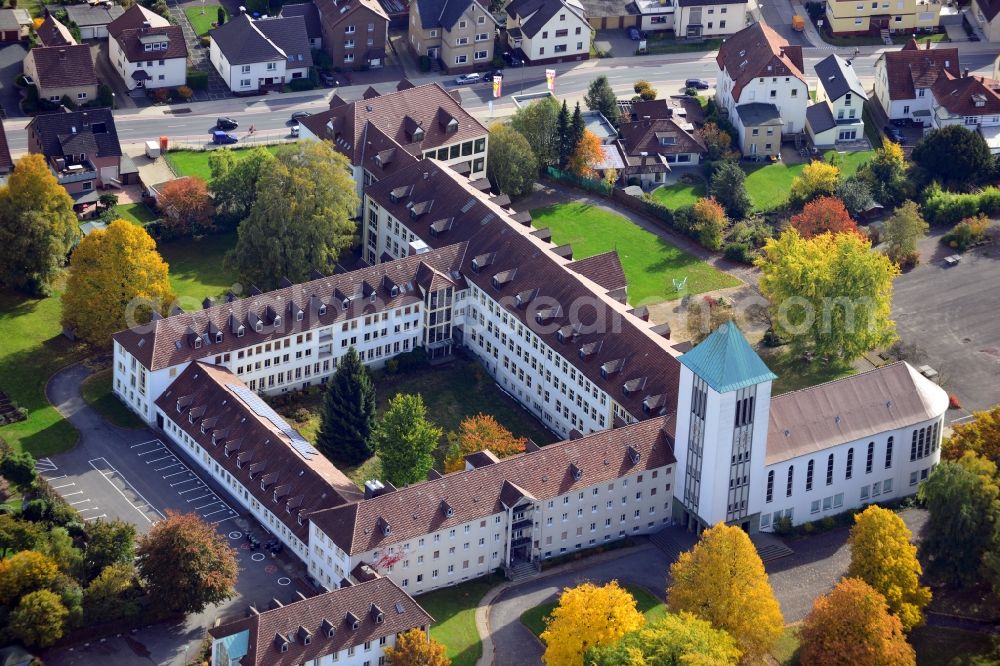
(258,138)
(598,186)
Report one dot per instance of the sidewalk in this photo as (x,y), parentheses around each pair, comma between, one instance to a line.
(483,609)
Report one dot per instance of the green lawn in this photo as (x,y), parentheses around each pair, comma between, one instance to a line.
(669,44)
(202,17)
(97,392)
(33,349)
(136,213)
(786,650)
(770,184)
(648,605)
(650,262)
(196,269)
(195,162)
(679,194)
(937,646)
(454,613)
(794,373)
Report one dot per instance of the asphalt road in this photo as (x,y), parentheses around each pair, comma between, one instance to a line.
(271,113)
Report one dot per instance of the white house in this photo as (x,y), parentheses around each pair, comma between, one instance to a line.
(710,18)
(836,116)
(970,101)
(548,30)
(254,56)
(146,50)
(903,79)
(759,67)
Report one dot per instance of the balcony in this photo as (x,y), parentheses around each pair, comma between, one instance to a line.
(523,541)
(521,524)
(72,173)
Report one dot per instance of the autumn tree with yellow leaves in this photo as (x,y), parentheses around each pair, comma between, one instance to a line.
(883,556)
(588,615)
(116,279)
(414,648)
(981,436)
(677,638)
(477,433)
(585,155)
(817,179)
(722,581)
(851,626)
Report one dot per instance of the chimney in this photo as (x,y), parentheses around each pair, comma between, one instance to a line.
(965,73)
(62,54)
(928,47)
(145,26)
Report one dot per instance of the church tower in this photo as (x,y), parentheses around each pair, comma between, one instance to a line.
(721,432)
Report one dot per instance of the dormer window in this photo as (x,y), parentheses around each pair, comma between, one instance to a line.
(633,455)
(328,629)
(376,614)
(394,291)
(277,320)
(241,331)
(218,337)
(418,134)
(307,639)
(475,266)
(322,310)
(371,299)
(259,327)
(576,472)
(346,303)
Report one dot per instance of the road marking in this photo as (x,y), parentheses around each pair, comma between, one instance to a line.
(50,479)
(191,490)
(215,512)
(89,508)
(150,462)
(79,492)
(160,469)
(103,515)
(217,522)
(124,481)
(178,483)
(45,465)
(152,441)
(205,506)
(146,453)
(195,499)
(65,485)
(167,476)
(80,502)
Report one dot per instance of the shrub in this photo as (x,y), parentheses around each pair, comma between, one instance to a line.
(105,96)
(966,233)
(197,80)
(942,207)
(161,95)
(640,85)
(953,402)
(298,85)
(783,526)
(739,251)
(184,92)
(68,103)
(827,523)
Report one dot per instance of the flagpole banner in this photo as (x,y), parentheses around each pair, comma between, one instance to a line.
(497,86)
(550,78)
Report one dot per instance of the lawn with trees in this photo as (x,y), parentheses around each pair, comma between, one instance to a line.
(197,270)
(770,185)
(679,194)
(650,263)
(454,612)
(645,602)
(202,17)
(195,162)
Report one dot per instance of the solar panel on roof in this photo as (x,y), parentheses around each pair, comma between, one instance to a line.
(263,410)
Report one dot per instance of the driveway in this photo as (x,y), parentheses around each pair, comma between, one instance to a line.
(947,316)
(132,475)
(11,58)
(813,569)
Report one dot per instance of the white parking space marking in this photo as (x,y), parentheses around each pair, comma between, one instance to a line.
(103,515)
(177,483)
(45,465)
(167,476)
(152,441)
(160,469)
(195,499)
(192,490)
(80,502)
(112,475)
(150,462)
(79,492)
(65,485)
(90,508)
(205,506)
(146,453)
(50,479)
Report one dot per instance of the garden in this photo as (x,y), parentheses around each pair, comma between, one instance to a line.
(646,603)
(769,185)
(195,162)
(454,613)
(204,17)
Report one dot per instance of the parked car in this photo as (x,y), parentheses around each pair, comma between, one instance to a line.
(488,76)
(633,33)
(295,130)
(697,84)
(465,79)
(299,115)
(221,138)
(893,133)
(226,124)
(328,79)
(512,59)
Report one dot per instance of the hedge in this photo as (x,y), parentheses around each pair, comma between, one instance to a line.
(197,80)
(948,208)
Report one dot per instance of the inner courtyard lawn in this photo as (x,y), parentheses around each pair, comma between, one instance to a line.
(454,613)
(647,604)
(136,213)
(769,185)
(679,194)
(195,162)
(196,268)
(650,262)
(202,17)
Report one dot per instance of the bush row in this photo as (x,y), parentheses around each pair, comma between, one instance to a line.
(946,208)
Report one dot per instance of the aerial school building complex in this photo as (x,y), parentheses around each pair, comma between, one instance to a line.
(652,436)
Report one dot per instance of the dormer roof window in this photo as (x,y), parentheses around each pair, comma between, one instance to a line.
(328,629)
(376,614)
(447,509)
(384,526)
(352,620)
(576,472)
(633,455)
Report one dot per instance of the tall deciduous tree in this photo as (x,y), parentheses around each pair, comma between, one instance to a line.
(17,535)
(729,189)
(108,542)
(817,178)
(902,231)
(38,619)
(963,500)
(117,279)
(186,207)
(586,154)
(511,164)
(234,180)
(954,154)
(830,294)
(718,143)
(883,556)
(415,648)
(600,97)
(823,215)
(110,596)
(347,417)
(678,639)
(851,626)
(709,220)
(886,174)
(477,433)
(186,564)
(37,226)
(722,581)
(856,195)
(538,122)
(587,616)
(981,436)
(301,218)
(25,572)
(18,467)
(404,440)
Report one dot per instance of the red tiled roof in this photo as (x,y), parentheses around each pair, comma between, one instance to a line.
(755,51)
(968,95)
(914,67)
(251,448)
(63,66)
(417,510)
(605,269)
(317,615)
(134,18)
(53,33)
(130,41)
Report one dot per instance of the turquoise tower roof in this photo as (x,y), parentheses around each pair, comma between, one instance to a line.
(726,361)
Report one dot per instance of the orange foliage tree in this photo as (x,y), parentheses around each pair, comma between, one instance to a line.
(825,214)
(586,154)
(476,433)
(186,206)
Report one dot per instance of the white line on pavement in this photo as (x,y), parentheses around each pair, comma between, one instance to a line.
(103,515)
(79,492)
(146,453)
(65,485)
(160,469)
(217,522)
(152,441)
(191,490)
(91,463)
(214,512)
(89,508)
(205,506)
(80,502)
(50,479)
(150,462)
(167,476)
(178,483)
(195,499)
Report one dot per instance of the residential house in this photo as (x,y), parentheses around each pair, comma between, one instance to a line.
(545,31)
(985,13)
(380,134)
(840,98)
(710,18)
(355,32)
(62,71)
(758,68)
(652,147)
(146,50)
(458,33)
(52,32)
(254,56)
(863,17)
(903,79)
(93,20)
(82,150)
(15,25)
(970,101)
(309,14)
(6,162)
(617,14)
(351,626)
